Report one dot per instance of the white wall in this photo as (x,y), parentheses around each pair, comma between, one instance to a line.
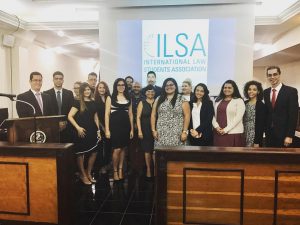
(5,81)
(287,40)
(28,57)
(290,75)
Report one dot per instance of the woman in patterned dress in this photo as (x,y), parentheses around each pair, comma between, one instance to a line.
(170,116)
(255,114)
(119,124)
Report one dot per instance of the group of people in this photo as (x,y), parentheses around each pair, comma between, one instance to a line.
(105,123)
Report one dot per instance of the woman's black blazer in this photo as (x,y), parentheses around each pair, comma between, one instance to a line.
(206,116)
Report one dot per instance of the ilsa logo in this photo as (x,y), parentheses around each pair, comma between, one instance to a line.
(169,46)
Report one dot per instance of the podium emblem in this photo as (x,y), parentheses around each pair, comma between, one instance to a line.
(40,137)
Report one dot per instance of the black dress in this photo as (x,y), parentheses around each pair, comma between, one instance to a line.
(119,124)
(86,121)
(104,156)
(147,143)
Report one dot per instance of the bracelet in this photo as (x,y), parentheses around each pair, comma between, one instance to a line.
(185,131)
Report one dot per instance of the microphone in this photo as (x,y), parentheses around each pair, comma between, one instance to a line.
(10,96)
(34,115)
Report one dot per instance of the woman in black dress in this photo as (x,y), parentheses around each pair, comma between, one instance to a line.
(144,126)
(119,124)
(202,112)
(104,156)
(83,116)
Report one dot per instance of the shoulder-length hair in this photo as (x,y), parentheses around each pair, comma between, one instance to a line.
(106,94)
(163,95)
(115,90)
(205,96)
(235,94)
(82,87)
(258,85)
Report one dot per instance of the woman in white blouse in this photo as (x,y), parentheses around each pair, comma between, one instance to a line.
(202,113)
(228,119)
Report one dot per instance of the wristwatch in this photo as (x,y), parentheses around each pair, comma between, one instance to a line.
(185,131)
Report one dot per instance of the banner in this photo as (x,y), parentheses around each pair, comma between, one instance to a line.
(175,48)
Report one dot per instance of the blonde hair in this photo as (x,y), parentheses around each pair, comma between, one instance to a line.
(188,81)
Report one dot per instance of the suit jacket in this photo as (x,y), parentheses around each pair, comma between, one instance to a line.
(283,118)
(206,115)
(260,121)
(25,110)
(67,101)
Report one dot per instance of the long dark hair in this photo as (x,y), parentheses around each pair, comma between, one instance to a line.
(235,94)
(258,85)
(83,86)
(205,97)
(163,95)
(115,90)
(106,94)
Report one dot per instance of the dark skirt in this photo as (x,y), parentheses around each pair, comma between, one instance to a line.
(229,140)
(119,129)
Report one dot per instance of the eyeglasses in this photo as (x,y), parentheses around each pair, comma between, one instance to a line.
(170,85)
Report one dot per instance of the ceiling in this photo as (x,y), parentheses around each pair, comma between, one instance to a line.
(79,21)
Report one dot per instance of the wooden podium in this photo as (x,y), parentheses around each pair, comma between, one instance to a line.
(35,178)
(23,129)
(36,184)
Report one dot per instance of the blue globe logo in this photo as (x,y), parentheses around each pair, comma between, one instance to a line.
(150,45)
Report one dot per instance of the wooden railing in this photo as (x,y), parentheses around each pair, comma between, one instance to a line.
(227,186)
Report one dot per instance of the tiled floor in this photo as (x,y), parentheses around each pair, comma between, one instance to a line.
(124,203)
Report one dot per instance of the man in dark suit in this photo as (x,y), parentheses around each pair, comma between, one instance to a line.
(151,79)
(61,101)
(282,110)
(40,101)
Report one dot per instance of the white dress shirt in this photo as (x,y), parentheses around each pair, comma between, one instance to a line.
(196,114)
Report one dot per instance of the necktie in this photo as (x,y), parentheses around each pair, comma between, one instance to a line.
(39,99)
(58,99)
(273,97)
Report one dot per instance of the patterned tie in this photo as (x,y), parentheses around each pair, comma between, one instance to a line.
(38,97)
(58,99)
(273,97)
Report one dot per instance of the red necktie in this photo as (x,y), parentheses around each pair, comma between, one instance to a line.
(273,97)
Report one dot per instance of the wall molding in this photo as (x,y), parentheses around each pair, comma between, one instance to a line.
(287,14)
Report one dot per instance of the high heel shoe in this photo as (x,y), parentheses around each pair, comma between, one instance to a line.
(120,172)
(92,180)
(116,175)
(85,180)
